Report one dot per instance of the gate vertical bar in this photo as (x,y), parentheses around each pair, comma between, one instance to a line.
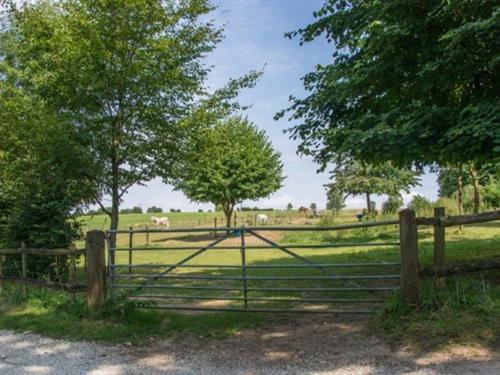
(111,264)
(244,267)
(439,243)
(130,246)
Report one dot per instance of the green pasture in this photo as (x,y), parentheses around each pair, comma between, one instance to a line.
(473,299)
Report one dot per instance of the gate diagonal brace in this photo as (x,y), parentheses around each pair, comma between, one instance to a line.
(289,252)
(188,258)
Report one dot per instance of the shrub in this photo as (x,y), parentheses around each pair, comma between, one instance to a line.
(392,205)
(449,204)
(421,205)
(491,195)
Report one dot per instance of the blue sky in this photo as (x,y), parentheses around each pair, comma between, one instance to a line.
(254,31)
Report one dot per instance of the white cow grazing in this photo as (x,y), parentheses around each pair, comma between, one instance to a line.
(158,221)
(262,219)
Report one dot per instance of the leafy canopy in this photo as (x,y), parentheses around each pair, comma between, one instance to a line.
(44,175)
(125,74)
(410,82)
(230,162)
(357,178)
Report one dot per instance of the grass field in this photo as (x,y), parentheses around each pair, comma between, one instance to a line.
(474,300)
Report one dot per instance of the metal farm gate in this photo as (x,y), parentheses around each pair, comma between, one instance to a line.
(246,269)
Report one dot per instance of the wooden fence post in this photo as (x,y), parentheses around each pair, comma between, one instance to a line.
(409,257)
(96,269)
(215,226)
(147,235)
(439,240)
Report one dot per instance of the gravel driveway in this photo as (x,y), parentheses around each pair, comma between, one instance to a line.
(340,347)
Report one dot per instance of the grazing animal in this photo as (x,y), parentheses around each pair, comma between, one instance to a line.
(158,221)
(262,219)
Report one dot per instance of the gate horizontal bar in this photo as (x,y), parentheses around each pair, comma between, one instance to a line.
(261,310)
(213,277)
(149,286)
(292,265)
(262,228)
(260,299)
(343,289)
(311,246)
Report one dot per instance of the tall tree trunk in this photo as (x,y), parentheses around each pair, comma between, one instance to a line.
(368,203)
(115,206)
(477,188)
(228,212)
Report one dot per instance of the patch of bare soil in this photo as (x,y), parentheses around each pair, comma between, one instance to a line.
(312,344)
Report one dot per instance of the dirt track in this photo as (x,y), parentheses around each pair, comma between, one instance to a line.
(306,347)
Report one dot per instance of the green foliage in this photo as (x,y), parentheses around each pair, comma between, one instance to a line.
(155,209)
(449,204)
(45,179)
(335,201)
(128,76)
(491,195)
(228,163)
(355,178)
(392,205)
(289,207)
(464,309)
(398,70)
(421,205)
(447,181)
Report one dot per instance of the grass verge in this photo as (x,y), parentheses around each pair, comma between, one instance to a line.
(56,314)
(463,311)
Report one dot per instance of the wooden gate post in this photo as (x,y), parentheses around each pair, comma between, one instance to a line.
(96,269)
(409,257)
(439,240)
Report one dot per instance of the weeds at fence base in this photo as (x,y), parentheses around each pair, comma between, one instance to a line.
(464,311)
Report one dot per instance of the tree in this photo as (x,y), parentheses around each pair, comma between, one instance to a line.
(313,208)
(127,75)
(410,82)
(335,201)
(136,210)
(230,162)
(357,178)
(289,207)
(154,209)
(453,183)
(42,187)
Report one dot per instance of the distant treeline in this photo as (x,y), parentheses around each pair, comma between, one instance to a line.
(133,210)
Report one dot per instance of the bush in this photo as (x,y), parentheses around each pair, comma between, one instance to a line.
(421,205)
(491,196)
(392,205)
(449,204)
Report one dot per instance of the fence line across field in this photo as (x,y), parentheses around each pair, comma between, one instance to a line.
(99,273)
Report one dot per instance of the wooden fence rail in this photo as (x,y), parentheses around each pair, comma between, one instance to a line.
(440,222)
(94,252)
(410,269)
